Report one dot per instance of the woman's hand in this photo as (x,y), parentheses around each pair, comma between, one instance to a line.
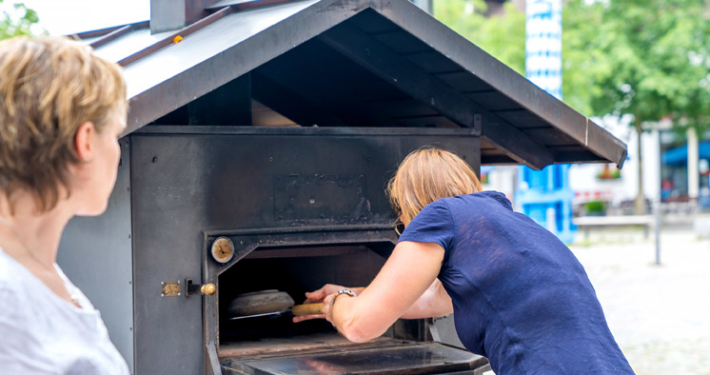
(320,294)
(324,294)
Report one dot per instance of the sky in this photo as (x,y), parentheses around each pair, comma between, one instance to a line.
(62,17)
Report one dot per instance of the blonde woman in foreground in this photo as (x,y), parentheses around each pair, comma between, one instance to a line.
(61,112)
(518,294)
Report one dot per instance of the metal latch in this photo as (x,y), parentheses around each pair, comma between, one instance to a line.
(174,288)
(208,289)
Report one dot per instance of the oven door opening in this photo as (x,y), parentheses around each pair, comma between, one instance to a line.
(294,271)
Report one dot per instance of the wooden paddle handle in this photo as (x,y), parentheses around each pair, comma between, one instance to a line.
(308,309)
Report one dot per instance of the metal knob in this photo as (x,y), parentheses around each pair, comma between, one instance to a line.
(208,289)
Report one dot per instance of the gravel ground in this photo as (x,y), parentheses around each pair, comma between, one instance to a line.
(659,315)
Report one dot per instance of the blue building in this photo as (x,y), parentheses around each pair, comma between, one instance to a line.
(545,196)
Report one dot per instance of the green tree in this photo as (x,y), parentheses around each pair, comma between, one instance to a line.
(16,20)
(501,36)
(646,58)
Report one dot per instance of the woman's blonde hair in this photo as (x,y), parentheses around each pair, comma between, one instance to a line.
(427,175)
(48,87)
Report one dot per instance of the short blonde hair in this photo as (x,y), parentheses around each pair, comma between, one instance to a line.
(49,86)
(427,175)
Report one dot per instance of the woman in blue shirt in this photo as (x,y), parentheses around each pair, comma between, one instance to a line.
(518,294)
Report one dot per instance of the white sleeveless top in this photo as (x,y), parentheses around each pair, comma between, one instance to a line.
(40,333)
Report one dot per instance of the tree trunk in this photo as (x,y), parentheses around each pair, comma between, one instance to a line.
(640,203)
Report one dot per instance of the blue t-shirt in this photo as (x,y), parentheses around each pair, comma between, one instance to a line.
(520,296)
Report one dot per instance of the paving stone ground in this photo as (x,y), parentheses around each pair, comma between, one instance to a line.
(659,315)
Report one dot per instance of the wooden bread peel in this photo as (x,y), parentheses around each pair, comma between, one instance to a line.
(270,303)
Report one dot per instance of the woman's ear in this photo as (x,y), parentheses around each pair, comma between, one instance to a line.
(84,141)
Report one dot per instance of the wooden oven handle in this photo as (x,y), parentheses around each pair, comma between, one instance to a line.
(308,309)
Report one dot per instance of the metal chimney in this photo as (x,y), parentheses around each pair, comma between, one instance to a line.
(426,5)
(167,15)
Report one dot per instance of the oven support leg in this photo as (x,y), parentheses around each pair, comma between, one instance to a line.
(442,330)
(212,360)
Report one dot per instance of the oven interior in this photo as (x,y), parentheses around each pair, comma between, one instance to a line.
(295,271)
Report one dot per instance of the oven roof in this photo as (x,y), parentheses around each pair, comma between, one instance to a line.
(365,63)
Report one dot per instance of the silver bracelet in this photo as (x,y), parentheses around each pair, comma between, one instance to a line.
(341,291)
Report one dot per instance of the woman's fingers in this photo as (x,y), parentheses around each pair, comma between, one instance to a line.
(325,295)
(316,295)
(320,294)
(302,318)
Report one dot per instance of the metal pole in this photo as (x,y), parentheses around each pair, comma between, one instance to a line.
(657,228)
(657,200)
(693,156)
